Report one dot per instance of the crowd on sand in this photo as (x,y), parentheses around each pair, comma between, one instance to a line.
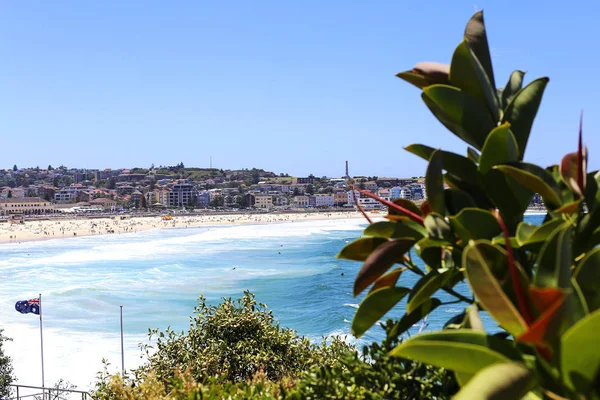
(62,228)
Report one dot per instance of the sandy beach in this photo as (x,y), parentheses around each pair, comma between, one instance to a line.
(81,226)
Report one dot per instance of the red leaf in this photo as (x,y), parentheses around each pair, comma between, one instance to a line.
(544,298)
(537,332)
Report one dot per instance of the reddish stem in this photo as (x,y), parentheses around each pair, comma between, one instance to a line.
(514,273)
(412,215)
(358,205)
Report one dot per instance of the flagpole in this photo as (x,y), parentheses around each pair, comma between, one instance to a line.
(122,348)
(42,342)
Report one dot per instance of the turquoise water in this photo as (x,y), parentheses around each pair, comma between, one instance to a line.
(157,277)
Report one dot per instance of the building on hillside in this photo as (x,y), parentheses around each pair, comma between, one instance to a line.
(395,193)
(131,177)
(263,201)
(300,201)
(203,199)
(351,197)
(16,192)
(370,186)
(309,180)
(67,194)
(324,200)
(280,201)
(136,198)
(105,204)
(340,199)
(26,205)
(182,195)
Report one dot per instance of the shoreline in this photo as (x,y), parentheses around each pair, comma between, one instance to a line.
(49,229)
(64,228)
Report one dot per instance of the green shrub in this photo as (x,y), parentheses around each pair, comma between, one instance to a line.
(6,369)
(199,364)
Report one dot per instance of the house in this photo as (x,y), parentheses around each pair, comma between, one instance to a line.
(371,186)
(14,192)
(395,193)
(300,201)
(263,201)
(25,205)
(105,204)
(340,199)
(309,180)
(324,200)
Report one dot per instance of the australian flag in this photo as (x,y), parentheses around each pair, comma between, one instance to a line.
(28,306)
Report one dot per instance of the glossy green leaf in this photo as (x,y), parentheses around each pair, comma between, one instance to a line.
(397,229)
(514,84)
(524,231)
(379,261)
(415,79)
(508,195)
(475,223)
(456,164)
(476,38)
(375,306)
(467,73)
(522,111)
(479,259)
(587,275)
(388,280)
(460,113)
(555,260)
(409,319)
(456,200)
(499,382)
(540,233)
(462,351)
(361,248)
(435,184)
(535,179)
(580,360)
(473,155)
(393,213)
(424,289)
(500,147)
(437,228)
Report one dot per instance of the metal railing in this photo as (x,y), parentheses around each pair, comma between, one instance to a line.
(47,393)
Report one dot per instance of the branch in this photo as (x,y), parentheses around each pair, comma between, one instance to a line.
(358,204)
(412,215)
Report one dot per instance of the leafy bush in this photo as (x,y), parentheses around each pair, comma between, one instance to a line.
(6,369)
(540,283)
(200,364)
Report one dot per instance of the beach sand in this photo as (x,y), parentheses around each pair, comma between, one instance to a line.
(82,226)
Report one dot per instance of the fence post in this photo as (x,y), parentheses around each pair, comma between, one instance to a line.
(18,393)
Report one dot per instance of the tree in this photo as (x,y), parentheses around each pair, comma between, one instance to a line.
(241,201)
(15,168)
(296,192)
(217,201)
(144,202)
(50,167)
(539,283)
(9,195)
(310,189)
(112,183)
(6,369)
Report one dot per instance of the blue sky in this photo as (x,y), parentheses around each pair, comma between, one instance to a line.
(289,86)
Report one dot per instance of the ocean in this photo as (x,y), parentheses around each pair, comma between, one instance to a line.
(157,277)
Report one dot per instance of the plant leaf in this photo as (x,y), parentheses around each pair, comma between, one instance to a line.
(462,351)
(580,362)
(435,184)
(535,179)
(515,83)
(398,229)
(587,275)
(394,214)
(540,234)
(387,280)
(478,260)
(473,155)
(498,382)
(409,319)
(361,248)
(424,288)
(555,260)
(476,37)
(375,306)
(379,261)
(500,147)
(456,164)
(460,113)
(522,110)
(467,73)
(474,223)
